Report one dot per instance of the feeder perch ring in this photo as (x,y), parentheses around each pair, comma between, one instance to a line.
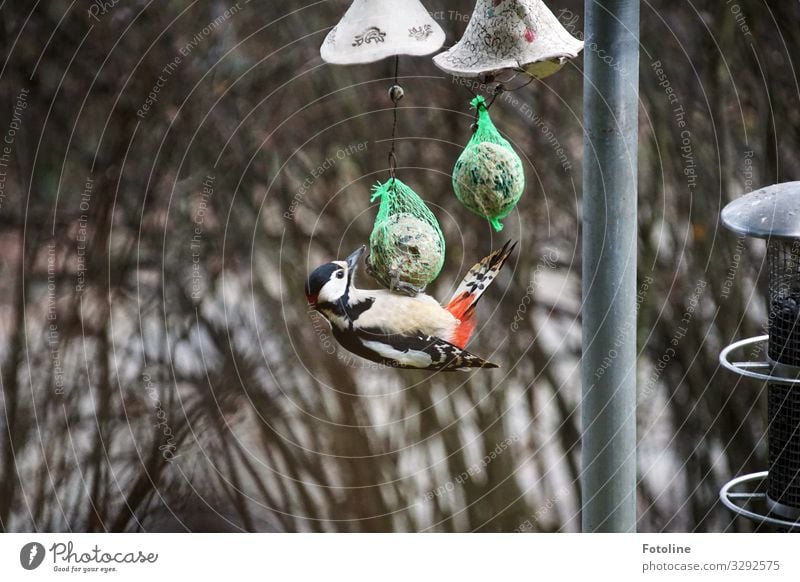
(744,489)
(775,372)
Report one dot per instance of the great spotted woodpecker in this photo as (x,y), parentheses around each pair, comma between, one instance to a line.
(398,330)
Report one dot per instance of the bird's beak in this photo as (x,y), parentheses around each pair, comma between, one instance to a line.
(355,256)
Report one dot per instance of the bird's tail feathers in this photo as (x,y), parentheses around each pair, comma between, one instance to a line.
(477,280)
(466,297)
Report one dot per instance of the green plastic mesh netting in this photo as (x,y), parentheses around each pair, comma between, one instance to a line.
(488,177)
(406,244)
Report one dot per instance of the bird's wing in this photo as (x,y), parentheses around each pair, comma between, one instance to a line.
(418,351)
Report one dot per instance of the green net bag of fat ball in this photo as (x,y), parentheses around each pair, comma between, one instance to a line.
(488,177)
(406,244)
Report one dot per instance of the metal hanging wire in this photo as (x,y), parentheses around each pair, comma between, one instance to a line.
(500,87)
(395,94)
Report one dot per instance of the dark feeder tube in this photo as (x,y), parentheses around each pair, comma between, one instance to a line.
(783,407)
(773,213)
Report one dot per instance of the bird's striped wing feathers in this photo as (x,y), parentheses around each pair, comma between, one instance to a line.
(411,351)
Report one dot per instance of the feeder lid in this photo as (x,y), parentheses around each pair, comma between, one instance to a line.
(372,30)
(771,212)
(510,34)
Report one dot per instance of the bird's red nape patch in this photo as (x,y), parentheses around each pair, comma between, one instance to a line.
(312,300)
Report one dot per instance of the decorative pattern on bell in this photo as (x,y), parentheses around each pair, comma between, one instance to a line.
(510,34)
(372,30)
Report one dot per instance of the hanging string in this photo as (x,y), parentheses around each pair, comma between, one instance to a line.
(517,71)
(501,86)
(395,94)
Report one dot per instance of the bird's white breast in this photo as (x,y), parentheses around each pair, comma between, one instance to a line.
(396,313)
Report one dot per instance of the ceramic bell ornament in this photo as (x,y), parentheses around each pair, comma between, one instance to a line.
(510,34)
(372,30)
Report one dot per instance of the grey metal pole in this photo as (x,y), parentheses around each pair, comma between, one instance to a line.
(608,367)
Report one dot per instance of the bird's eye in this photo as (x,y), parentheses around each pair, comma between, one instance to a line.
(340,274)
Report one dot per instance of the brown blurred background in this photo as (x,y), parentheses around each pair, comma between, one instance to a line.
(177,168)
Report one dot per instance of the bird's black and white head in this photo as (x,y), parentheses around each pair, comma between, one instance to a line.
(328,287)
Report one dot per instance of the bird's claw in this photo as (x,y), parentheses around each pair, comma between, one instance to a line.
(404,287)
(394,283)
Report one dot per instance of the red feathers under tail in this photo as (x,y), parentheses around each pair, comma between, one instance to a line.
(472,287)
(462,309)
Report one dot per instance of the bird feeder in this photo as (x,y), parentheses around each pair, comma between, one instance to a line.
(510,34)
(488,177)
(372,30)
(773,496)
(406,245)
